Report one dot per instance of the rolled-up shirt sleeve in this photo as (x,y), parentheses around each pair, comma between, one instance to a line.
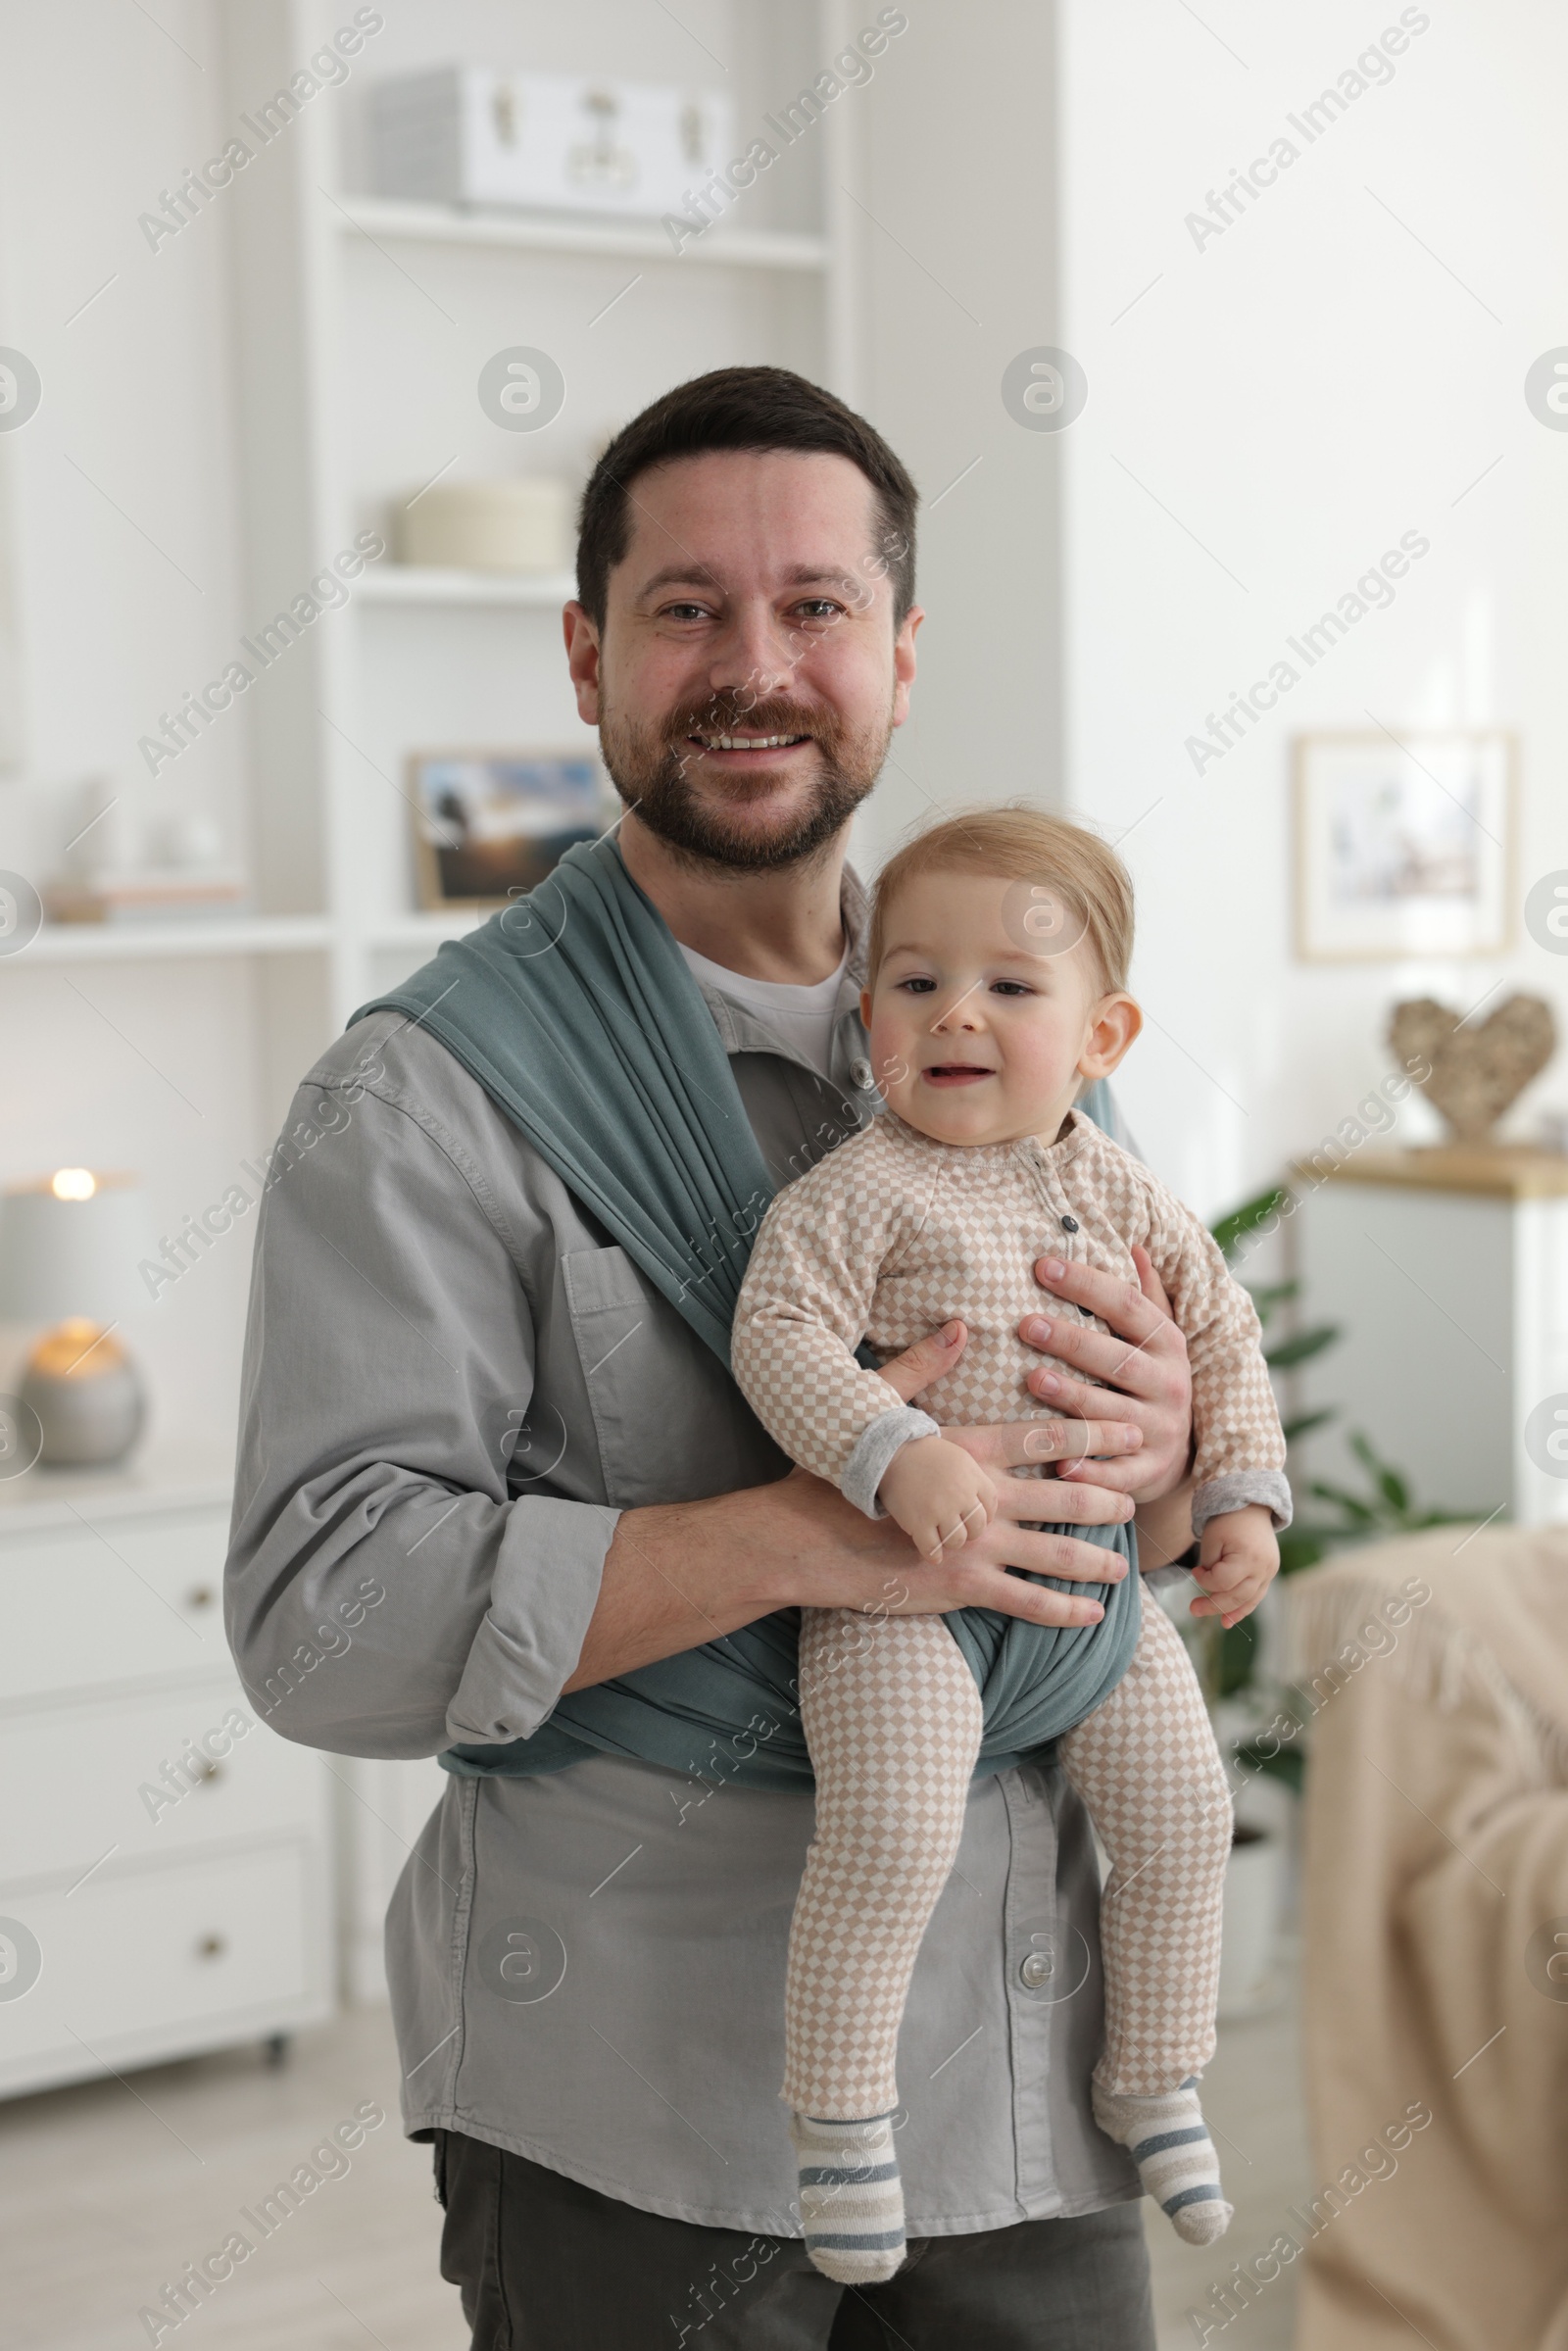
(386,1594)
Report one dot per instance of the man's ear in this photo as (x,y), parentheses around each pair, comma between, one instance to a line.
(904,662)
(582,660)
(1113,1023)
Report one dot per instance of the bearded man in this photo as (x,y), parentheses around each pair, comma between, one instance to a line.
(486,1379)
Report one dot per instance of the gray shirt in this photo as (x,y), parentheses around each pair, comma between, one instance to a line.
(454,1383)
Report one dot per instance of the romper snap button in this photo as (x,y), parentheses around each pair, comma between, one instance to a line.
(1069,1224)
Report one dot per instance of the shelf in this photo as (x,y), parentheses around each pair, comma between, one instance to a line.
(414,583)
(386,218)
(143,942)
(425,930)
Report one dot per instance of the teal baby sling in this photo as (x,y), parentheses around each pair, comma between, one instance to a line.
(575,1010)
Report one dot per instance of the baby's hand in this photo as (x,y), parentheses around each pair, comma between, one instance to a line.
(1237,1561)
(938,1494)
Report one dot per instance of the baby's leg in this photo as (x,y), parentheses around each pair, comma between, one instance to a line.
(892,1718)
(1146,1765)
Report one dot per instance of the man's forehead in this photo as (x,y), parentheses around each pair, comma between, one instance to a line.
(789,518)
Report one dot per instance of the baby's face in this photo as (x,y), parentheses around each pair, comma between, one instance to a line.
(975,1037)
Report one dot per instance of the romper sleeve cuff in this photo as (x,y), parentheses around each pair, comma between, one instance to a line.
(867,1465)
(1236,1488)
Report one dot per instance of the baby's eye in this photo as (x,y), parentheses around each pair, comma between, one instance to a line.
(918,985)
(1010,988)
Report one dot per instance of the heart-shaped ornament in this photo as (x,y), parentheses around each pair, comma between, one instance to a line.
(1475,1072)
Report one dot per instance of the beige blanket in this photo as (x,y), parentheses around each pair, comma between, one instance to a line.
(1437,1882)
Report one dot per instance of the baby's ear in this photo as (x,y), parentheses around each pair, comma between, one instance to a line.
(1114,1024)
(865,1007)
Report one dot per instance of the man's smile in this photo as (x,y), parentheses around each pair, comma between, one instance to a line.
(749,749)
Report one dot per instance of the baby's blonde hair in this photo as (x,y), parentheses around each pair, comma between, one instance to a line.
(1017,842)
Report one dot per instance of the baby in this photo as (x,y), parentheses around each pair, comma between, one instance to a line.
(998,952)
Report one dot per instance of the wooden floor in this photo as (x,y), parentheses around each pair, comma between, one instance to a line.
(1252,2099)
(110,2189)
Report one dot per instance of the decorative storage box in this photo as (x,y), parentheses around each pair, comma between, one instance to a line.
(474,135)
(522,525)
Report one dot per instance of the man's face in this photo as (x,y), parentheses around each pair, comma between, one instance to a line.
(749,675)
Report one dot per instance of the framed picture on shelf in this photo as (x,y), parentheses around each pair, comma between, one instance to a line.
(490,823)
(1404,847)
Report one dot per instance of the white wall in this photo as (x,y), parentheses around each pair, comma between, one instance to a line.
(1298,393)
(958,239)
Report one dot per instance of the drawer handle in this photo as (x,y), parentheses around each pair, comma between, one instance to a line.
(211,1947)
(200,1596)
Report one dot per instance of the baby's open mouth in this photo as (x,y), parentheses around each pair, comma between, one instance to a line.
(956,1073)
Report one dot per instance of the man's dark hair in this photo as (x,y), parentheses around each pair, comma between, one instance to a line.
(743,407)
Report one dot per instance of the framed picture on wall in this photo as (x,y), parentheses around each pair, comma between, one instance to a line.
(1403,847)
(490,823)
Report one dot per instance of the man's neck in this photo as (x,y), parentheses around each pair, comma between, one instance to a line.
(782,925)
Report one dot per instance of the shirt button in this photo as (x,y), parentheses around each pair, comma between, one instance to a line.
(1037,1970)
(861,1072)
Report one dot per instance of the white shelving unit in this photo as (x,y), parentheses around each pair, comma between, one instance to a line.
(359,329)
(360,343)
(363,324)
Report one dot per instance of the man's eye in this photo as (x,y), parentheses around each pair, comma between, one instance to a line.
(684,611)
(819,607)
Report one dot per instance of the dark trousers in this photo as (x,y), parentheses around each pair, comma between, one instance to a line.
(545,2264)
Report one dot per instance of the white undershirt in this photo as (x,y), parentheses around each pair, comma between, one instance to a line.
(802,1016)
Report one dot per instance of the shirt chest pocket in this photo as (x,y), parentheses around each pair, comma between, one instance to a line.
(670,1424)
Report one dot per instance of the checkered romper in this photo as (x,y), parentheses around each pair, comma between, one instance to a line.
(889,1237)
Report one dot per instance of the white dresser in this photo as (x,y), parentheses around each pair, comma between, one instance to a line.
(165,1858)
(1448,1269)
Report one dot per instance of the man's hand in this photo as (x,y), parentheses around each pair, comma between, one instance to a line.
(1238,1560)
(939,1496)
(1144,1362)
(1143,1381)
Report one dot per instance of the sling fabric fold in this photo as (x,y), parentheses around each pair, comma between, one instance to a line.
(575,1010)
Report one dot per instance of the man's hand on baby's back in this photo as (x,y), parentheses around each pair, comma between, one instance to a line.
(1238,1559)
(939,1494)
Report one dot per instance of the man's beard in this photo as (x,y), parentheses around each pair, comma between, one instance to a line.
(650,766)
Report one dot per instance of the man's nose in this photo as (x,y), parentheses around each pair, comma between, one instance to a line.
(754,655)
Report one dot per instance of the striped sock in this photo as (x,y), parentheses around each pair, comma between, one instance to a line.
(851,2198)
(1168,2141)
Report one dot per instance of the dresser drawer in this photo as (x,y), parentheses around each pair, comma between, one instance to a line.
(86,1785)
(119,1600)
(127,1961)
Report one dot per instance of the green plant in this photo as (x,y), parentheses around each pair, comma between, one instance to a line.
(1229,1658)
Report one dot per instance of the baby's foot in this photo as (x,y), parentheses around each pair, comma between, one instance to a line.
(1168,2141)
(851,2198)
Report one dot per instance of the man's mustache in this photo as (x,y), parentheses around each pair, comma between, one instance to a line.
(724,716)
